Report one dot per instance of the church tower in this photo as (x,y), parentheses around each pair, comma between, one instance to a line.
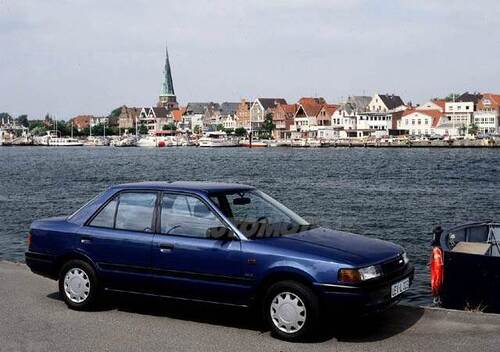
(167,95)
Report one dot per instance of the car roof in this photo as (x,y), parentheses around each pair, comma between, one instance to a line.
(190,186)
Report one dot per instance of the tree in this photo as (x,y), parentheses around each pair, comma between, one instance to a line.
(473,129)
(143,129)
(5,117)
(229,130)
(169,127)
(267,126)
(240,132)
(219,127)
(452,97)
(197,129)
(115,112)
(23,120)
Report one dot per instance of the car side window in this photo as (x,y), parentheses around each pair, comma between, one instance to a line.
(106,217)
(187,216)
(135,211)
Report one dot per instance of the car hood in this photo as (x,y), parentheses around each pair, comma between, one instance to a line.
(339,246)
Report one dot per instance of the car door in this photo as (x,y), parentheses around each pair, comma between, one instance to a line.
(118,238)
(187,262)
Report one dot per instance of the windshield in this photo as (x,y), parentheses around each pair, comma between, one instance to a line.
(257,215)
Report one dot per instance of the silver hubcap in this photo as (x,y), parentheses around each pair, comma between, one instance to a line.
(76,285)
(288,312)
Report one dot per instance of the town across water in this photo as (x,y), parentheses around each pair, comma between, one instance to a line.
(395,194)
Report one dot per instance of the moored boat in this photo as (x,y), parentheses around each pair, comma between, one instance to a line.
(53,139)
(254,143)
(465,266)
(217,139)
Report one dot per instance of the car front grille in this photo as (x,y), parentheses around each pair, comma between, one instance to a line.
(394,266)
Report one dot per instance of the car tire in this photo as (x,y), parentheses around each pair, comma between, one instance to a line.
(78,285)
(291,310)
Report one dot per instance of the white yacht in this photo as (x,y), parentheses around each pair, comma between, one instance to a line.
(217,139)
(97,142)
(256,143)
(52,139)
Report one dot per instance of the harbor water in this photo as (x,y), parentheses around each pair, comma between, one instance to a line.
(392,194)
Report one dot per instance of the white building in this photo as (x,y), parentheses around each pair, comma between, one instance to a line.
(426,122)
(459,113)
(487,115)
(374,121)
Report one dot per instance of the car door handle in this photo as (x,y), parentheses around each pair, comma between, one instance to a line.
(166,247)
(85,239)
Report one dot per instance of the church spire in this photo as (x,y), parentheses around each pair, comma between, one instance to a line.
(168,85)
(167,94)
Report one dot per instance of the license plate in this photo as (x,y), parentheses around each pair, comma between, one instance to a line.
(400,287)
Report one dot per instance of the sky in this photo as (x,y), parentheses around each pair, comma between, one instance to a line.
(71,57)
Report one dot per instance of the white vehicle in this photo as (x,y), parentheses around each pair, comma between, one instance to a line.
(217,139)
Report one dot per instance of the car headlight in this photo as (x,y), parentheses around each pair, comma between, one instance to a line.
(359,275)
(405,258)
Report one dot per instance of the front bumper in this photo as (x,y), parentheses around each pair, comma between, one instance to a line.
(42,264)
(368,297)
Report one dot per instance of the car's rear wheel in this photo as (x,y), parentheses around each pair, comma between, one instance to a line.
(291,310)
(78,285)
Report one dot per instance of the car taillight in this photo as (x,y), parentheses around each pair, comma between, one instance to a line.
(29,239)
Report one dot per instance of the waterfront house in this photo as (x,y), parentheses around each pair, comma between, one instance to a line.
(260,108)
(487,114)
(378,115)
(197,114)
(228,114)
(155,118)
(381,103)
(420,122)
(127,117)
(433,104)
(346,115)
(283,118)
(81,122)
(243,115)
(459,114)
(305,120)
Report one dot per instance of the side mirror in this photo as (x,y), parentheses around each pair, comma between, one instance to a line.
(220,233)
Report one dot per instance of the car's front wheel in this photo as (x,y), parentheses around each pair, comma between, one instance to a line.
(291,310)
(78,285)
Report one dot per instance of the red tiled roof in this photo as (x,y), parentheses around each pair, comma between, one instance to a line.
(494,98)
(330,108)
(177,115)
(439,102)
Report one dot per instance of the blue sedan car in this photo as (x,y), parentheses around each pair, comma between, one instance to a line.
(220,243)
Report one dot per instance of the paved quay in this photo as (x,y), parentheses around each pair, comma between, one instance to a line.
(33,318)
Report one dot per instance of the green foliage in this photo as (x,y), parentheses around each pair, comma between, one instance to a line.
(473,129)
(197,129)
(229,130)
(38,129)
(116,112)
(452,97)
(267,127)
(169,127)
(22,120)
(219,127)
(143,129)
(240,132)
(5,117)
